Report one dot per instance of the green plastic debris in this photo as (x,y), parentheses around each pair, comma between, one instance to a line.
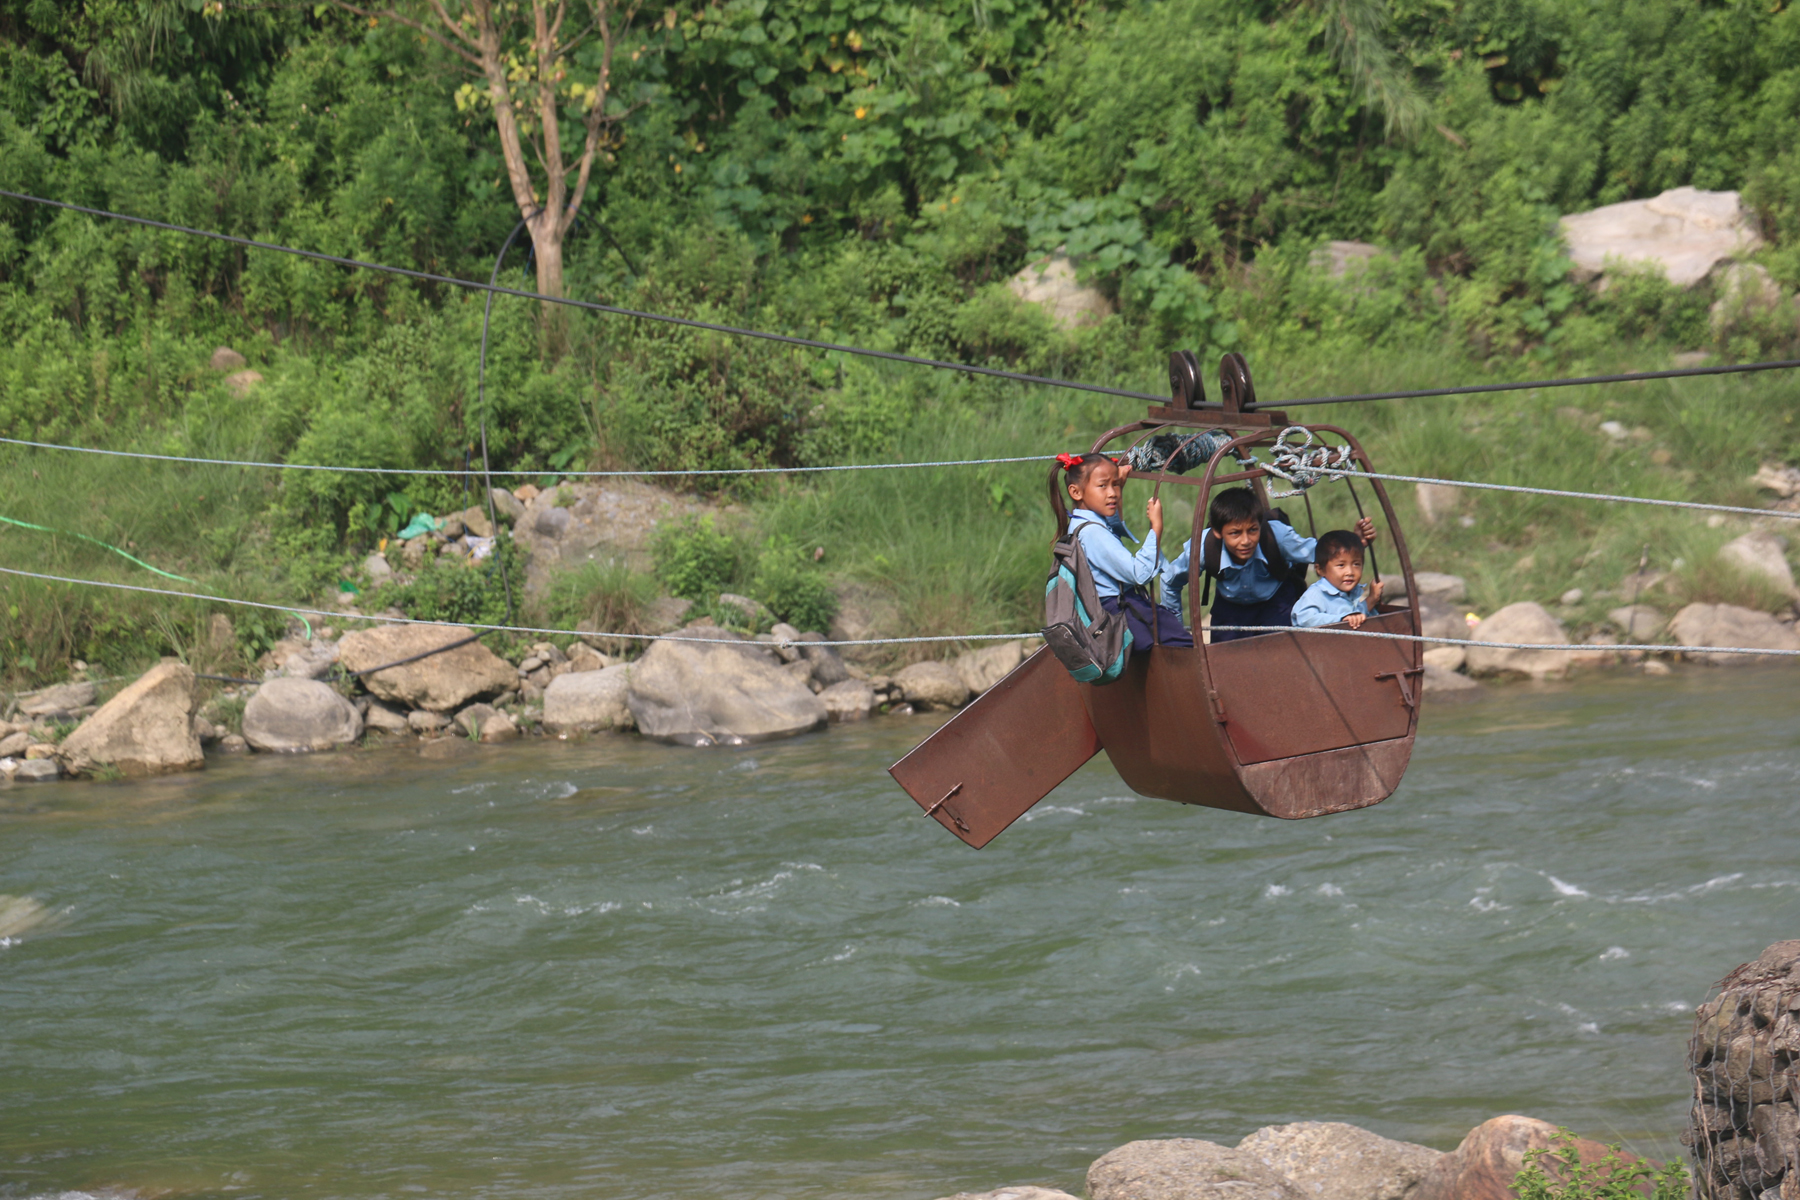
(419,526)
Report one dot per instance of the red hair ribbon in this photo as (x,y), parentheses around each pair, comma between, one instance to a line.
(1069,460)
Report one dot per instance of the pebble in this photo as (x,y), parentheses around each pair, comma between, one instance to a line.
(1656,666)
(1571,598)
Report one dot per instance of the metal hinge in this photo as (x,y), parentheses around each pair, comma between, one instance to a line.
(948,812)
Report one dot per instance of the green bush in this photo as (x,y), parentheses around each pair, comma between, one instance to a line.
(458,591)
(793,587)
(1614,1177)
(696,561)
(610,596)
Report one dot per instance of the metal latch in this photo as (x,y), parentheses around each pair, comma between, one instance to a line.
(1399,677)
(948,812)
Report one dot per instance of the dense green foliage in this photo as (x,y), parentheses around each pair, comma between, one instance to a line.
(1557,1173)
(839,169)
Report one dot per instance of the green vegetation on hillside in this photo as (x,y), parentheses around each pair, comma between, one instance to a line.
(870,173)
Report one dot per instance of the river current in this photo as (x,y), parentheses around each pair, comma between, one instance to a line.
(620,969)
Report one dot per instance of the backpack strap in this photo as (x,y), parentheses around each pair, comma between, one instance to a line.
(1084,577)
(1209,555)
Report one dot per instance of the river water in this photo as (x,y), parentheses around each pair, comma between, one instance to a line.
(627,970)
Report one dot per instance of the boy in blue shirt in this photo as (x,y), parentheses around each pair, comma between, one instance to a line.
(1338,595)
(1260,568)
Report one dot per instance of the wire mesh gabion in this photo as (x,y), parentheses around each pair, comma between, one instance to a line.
(1744,1127)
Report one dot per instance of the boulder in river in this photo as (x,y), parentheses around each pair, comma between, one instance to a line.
(385,718)
(933,684)
(849,700)
(443,682)
(58,701)
(147,729)
(37,770)
(1729,625)
(1484,1166)
(1026,1192)
(588,700)
(694,693)
(982,669)
(1184,1169)
(290,716)
(486,723)
(1329,1160)
(1526,622)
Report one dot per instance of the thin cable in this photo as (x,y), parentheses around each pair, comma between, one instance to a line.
(279,466)
(1475,389)
(1535,491)
(1647,647)
(575,633)
(594,306)
(1560,647)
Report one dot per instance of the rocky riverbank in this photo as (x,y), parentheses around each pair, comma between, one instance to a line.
(1314,1160)
(704,684)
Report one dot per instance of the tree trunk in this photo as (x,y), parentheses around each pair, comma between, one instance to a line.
(547,248)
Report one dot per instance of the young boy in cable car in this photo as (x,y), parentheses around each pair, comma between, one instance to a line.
(1338,594)
(1258,565)
(1095,485)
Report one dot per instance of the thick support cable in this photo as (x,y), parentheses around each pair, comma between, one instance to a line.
(1577,381)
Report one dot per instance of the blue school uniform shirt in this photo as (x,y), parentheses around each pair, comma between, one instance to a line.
(1114,567)
(1324,604)
(1249,582)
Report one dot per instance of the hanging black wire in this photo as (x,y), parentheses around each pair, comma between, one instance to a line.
(1577,381)
(593,306)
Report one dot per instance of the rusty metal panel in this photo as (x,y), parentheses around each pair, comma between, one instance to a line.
(1159,732)
(1314,785)
(1289,693)
(1006,751)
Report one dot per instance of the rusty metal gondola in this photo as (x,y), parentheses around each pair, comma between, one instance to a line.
(1283,724)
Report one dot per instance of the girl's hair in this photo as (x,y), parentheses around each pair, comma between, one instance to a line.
(1074,470)
(1334,542)
(1232,504)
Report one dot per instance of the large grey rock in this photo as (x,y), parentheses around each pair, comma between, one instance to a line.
(315,659)
(1184,1169)
(486,723)
(1433,586)
(506,504)
(1484,1166)
(694,693)
(289,716)
(147,729)
(1639,621)
(1445,681)
(1729,625)
(1684,231)
(442,682)
(226,359)
(1051,284)
(388,720)
(1329,1160)
(1026,1192)
(981,669)
(1523,622)
(37,770)
(14,744)
(1763,555)
(58,701)
(828,666)
(377,568)
(421,720)
(863,612)
(589,700)
(849,700)
(475,521)
(934,684)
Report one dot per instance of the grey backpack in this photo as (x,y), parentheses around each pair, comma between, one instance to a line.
(1092,643)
